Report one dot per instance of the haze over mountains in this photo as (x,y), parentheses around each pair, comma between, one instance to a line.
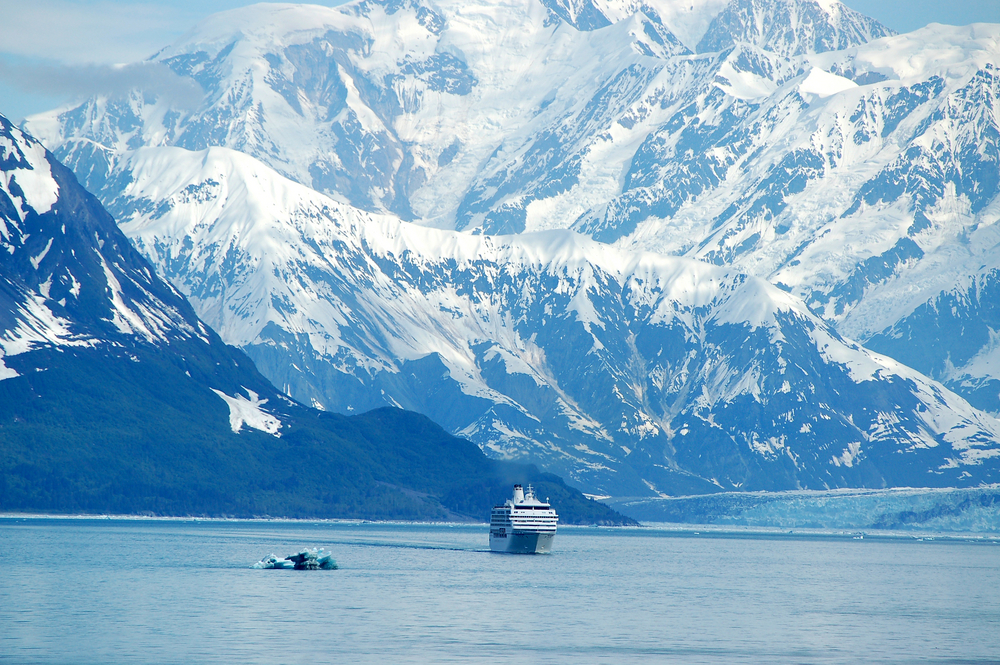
(388,203)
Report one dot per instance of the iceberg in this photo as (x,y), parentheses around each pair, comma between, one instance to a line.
(272,562)
(305,559)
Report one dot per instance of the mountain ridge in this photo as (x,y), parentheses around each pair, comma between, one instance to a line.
(114,397)
(349,310)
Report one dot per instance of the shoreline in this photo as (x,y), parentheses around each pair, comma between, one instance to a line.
(667,529)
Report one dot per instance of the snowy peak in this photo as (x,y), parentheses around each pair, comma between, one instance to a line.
(581,14)
(453,114)
(81,312)
(790,27)
(687,20)
(72,275)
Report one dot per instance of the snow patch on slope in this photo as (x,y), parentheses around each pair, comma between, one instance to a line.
(825,84)
(248,411)
(38,188)
(36,325)
(686,19)
(6,372)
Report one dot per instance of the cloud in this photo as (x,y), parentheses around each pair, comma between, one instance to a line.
(83,81)
(84,31)
(87,36)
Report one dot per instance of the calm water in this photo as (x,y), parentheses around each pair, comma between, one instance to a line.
(110,591)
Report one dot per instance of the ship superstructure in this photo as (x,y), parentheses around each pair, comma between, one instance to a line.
(523,525)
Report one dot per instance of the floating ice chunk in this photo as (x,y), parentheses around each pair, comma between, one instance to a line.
(314,559)
(306,559)
(272,562)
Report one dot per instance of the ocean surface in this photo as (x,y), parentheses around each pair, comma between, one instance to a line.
(87,591)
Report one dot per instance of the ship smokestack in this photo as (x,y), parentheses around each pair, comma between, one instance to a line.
(518,494)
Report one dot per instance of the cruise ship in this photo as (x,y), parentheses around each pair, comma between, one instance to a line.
(523,525)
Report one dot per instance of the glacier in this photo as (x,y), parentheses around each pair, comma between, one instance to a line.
(967,511)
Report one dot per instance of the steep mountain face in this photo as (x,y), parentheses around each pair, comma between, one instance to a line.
(790,27)
(953,338)
(795,141)
(70,278)
(115,397)
(629,373)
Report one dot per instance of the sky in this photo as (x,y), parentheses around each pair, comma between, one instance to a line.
(54,51)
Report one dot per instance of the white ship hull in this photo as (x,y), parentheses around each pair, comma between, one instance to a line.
(523,525)
(522,543)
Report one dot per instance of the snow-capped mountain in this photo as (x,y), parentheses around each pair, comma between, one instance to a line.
(790,27)
(115,397)
(108,377)
(796,141)
(70,278)
(394,106)
(630,373)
